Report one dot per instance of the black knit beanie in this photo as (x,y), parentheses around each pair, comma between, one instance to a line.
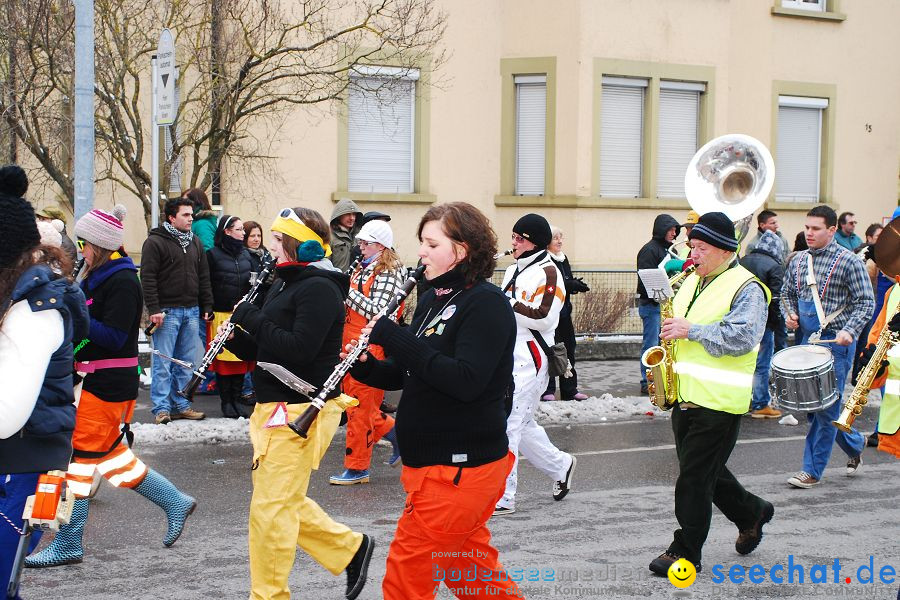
(535,229)
(716,229)
(18,230)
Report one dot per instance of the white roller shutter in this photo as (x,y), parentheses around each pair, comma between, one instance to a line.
(381,153)
(531,134)
(679,112)
(621,137)
(798,155)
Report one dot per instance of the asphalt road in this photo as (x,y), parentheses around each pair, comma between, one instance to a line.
(596,543)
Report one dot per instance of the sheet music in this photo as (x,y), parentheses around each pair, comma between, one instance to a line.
(656,282)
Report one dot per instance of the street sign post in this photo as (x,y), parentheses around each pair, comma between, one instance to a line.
(163,109)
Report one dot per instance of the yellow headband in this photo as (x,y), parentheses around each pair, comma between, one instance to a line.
(299,232)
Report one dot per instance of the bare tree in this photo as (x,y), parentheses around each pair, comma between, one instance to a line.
(242,66)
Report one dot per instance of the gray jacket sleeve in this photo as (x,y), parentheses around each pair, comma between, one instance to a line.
(739,330)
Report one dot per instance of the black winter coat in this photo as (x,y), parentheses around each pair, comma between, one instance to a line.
(172,276)
(768,268)
(300,326)
(654,251)
(229,275)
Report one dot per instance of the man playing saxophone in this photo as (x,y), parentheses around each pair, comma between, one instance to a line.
(719,319)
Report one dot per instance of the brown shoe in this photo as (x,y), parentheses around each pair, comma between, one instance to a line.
(803,480)
(190,414)
(163,418)
(766,412)
(748,539)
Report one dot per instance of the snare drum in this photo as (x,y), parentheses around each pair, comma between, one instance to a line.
(803,378)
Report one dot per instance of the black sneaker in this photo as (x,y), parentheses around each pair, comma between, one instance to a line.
(749,539)
(660,565)
(561,488)
(872,440)
(358,567)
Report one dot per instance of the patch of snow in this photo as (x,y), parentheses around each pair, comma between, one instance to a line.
(207,431)
(596,410)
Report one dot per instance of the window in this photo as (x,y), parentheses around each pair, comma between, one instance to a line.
(381,130)
(814,5)
(679,134)
(531,130)
(799,150)
(621,136)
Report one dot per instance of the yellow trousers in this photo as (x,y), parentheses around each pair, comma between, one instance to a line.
(281,516)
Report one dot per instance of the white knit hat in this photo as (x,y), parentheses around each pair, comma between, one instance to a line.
(51,232)
(101,228)
(377,231)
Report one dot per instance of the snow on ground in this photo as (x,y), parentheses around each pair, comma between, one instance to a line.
(207,431)
(596,410)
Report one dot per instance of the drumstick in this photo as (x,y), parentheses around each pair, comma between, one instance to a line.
(823,341)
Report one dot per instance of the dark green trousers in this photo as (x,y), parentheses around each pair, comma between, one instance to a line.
(704,439)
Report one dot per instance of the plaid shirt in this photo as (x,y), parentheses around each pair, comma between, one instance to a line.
(848,285)
(384,288)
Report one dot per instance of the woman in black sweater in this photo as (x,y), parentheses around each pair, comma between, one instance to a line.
(102,438)
(299,327)
(454,364)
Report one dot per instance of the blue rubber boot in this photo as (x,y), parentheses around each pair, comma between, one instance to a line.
(350,477)
(391,436)
(177,506)
(65,549)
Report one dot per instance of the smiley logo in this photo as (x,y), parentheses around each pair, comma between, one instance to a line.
(682,573)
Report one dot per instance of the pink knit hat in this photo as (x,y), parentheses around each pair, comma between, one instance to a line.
(101,228)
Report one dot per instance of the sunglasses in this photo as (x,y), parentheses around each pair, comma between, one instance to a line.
(517,238)
(80,244)
(288,213)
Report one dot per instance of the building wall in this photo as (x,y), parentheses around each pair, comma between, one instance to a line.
(750,50)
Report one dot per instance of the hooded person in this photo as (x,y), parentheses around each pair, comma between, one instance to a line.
(654,254)
(230,265)
(346,220)
(299,326)
(764,261)
(41,312)
(102,438)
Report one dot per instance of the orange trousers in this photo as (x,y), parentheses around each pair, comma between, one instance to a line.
(366,424)
(97,427)
(443,533)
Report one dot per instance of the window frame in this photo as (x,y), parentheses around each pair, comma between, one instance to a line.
(529,80)
(830,10)
(509,69)
(826,145)
(654,73)
(421,135)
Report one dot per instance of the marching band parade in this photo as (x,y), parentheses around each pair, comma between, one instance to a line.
(305,327)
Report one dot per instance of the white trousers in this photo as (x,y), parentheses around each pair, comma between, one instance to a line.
(526,435)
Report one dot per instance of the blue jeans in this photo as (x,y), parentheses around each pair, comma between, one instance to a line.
(176,337)
(761,397)
(822,434)
(14,491)
(247,387)
(649,314)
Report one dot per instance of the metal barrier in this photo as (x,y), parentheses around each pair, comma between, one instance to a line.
(610,308)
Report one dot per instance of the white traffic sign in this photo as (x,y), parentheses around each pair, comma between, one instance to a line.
(166,106)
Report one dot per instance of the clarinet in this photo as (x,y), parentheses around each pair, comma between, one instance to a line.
(218,342)
(301,424)
(79,265)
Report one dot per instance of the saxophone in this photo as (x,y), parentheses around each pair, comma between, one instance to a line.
(660,360)
(857,399)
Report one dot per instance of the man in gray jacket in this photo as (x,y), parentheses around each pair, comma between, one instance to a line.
(346,219)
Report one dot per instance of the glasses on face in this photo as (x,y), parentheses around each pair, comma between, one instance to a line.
(80,244)
(362,243)
(517,238)
(852,222)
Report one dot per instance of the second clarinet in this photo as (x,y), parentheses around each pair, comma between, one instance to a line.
(301,424)
(218,342)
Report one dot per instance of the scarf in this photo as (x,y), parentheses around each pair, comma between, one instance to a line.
(184,237)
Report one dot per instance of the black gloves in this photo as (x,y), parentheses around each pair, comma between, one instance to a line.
(866,356)
(894,324)
(576,285)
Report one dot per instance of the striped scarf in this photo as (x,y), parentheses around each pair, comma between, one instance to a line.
(184,237)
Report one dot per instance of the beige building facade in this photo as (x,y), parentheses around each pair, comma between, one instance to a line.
(587,111)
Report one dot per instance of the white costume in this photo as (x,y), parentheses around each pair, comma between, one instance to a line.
(537,296)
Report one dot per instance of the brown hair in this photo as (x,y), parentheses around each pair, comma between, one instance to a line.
(53,257)
(468,227)
(314,221)
(387,261)
(249,226)
(101,257)
(198,197)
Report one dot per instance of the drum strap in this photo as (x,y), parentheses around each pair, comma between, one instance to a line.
(817,300)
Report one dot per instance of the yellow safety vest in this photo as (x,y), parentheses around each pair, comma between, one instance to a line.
(724,383)
(889,417)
